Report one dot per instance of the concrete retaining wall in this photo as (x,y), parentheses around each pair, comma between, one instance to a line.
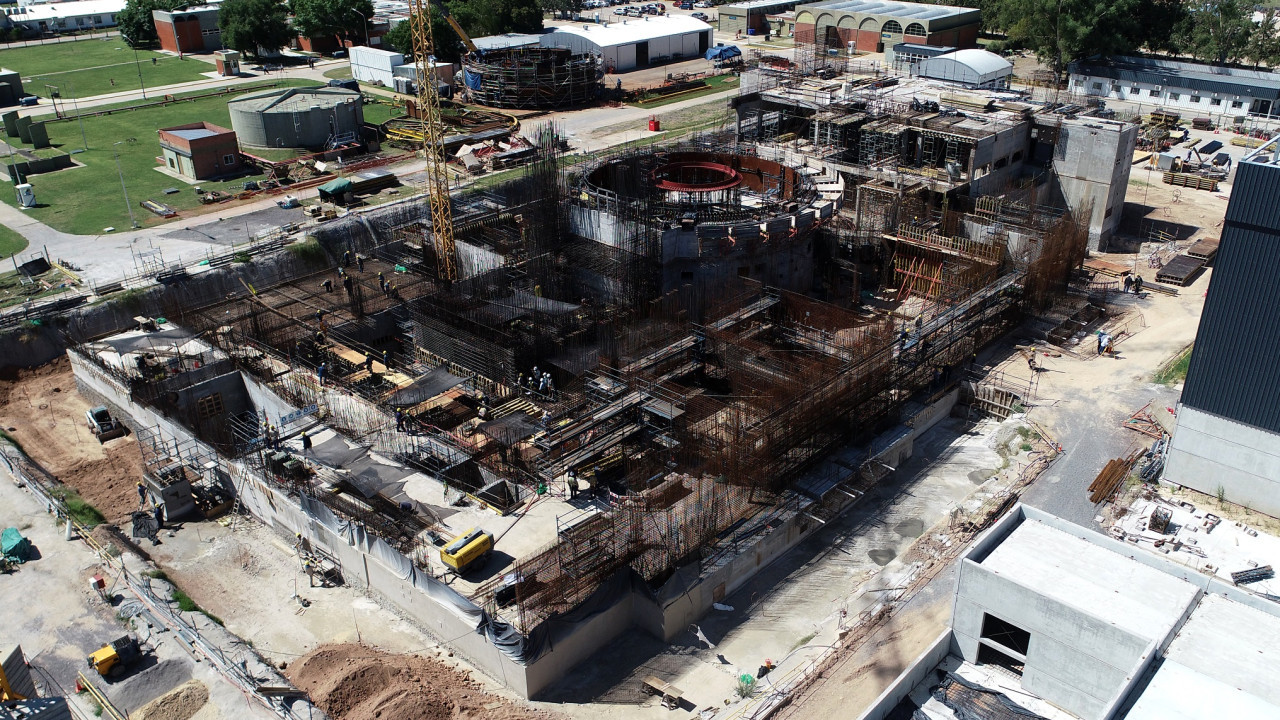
(1208,452)
(915,674)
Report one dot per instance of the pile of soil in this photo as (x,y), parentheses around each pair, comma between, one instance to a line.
(356,682)
(41,409)
(180,703)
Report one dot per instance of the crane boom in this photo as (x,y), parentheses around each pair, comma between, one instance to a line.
(433,141)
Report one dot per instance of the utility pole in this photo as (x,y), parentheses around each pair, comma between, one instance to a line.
(125,190)
(76,106)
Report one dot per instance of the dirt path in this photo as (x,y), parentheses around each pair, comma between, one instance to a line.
(357,682)
(43,411)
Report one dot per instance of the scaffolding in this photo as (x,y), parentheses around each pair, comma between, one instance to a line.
(532,78)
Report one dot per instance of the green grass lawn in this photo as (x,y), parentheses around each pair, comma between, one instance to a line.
(11,242)
(378,113)
(87,67)
(1174,370)
(340,73)
(84,200)
(715,84)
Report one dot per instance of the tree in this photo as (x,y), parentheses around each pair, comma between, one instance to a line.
(495,17)
(253,26)
(1060,31)
(448,44)
(345,18)
(1217,31)
(1264,40)
(560,8)
(135,22)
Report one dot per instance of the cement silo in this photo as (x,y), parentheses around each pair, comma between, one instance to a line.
(308,117)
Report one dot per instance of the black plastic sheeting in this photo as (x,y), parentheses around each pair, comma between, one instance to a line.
(371,477)
(510,429)
(426,387)
(974,702)
(150,341)
(527,649)
(335,452)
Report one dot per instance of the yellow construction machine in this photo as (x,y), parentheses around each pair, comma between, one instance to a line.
(111,660)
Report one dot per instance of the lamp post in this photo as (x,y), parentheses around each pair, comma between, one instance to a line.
(137,64)
(125,190)
(366,25)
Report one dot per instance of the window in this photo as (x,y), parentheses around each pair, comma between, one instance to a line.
(1115,88)
(1237,104)
(210,405)
(916,29)
(228,159)
(1135,90)
(1195,98)
(1174,96)
(1215,102)
(171,163)
(893,27)
(1097,86)
(1005,634)
(97,19)
(1153,93)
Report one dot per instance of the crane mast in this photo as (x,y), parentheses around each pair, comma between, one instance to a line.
(437,184)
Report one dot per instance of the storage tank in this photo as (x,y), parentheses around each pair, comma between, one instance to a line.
(310,117)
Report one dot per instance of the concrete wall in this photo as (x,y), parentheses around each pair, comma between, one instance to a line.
(1208,452)
(1074,660)
(917,672)
(1091,162)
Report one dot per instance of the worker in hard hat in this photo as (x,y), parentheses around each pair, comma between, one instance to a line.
(306,441)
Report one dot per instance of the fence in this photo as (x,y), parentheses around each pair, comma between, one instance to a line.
(232,668)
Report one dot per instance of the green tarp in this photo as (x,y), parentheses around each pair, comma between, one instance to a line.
(335,187)
(14,547)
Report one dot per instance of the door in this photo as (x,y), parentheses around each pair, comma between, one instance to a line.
(704,42)
(642,54)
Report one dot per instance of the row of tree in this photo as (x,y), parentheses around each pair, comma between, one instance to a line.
(1059,31)
(252,26)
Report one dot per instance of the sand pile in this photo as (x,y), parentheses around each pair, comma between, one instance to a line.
(354,682)
(180,703)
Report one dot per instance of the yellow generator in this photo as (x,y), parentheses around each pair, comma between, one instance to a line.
(470,549)
(111,660)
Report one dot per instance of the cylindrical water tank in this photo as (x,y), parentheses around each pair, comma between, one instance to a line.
(296,117)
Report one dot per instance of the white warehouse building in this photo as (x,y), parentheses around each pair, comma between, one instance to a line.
(1204,90)
(971,68)
(635,43)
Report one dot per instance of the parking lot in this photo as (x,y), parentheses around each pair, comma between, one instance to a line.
(702,9)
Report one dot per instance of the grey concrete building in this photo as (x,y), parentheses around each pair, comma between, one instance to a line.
(1081,625)
(751,17)
(1092,158)
(309,117)
(1228,431)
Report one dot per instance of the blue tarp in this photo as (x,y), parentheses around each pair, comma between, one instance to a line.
(471,79)
(723,52)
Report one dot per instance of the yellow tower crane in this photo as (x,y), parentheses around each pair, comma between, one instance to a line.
(437,184)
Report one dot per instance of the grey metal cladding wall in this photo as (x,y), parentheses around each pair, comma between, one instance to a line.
(1235,367)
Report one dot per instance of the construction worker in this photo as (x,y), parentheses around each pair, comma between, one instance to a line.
(306,441)
(360,262)
(320,373)
(368,361)
(399,420)
(386,359)
(274,434)
(382,281)
(1128,283)
(346,258)
(310,570)
(346,284)
(142,495)
(327,285)
(1137,284)
(572,482)
(919,321)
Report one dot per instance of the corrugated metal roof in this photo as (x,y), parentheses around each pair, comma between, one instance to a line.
(630,31)
(1176,75)
(1235,366)
(55,11)
(979,61)
(193,133)
(913,11)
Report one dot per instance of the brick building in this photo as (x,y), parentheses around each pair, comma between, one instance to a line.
(200,150)
(873,26)
(188,31)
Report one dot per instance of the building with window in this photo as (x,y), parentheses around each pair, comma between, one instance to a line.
(1227,439)
(872,25)
(1051,620)
(200,150)
(187,31)
(751,17)
(45,18)
(1205,90)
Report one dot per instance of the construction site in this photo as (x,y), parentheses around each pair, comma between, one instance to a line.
(619,376)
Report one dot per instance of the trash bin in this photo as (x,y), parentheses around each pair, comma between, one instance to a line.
(654,123)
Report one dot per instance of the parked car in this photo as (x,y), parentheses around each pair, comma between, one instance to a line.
(619,11)
(701,16)
(702,4)
(685,5)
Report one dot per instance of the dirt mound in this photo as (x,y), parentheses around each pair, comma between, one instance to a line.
(355,682)
(41,409)
(180,703)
